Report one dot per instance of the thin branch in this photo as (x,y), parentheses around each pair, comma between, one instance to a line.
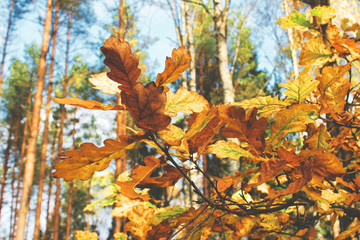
(340,124)
(200,4)
(190,222)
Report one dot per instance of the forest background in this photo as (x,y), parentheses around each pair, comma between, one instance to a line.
(261,59)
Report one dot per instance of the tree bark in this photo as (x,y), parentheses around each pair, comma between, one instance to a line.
(121,124)
(220,22)
(190,34)
(45,139)
(61,134)
(7,35)
(34,129)
(6,166)
(22,154)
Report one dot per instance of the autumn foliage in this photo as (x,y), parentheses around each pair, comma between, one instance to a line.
(298,150)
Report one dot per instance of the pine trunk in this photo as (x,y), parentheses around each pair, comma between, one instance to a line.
(45,139)
(61,134)
(190,34)
(11,10)
(121,124)
(6,166)
(34,129)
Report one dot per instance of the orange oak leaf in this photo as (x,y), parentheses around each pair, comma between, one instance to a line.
(297,184)
(174,66)
(140,177)
(318,137)
(83,163)
(290,120)
(245,127)
(203,127)
(88,104)
(185,101)
(170,176)
(122,63)
(147,105)
(270,169)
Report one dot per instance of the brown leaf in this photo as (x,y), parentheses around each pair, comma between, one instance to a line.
(147,105)
(88,104)
(174,66)
(122,63)
(203,127)
(245,127)
(83,163)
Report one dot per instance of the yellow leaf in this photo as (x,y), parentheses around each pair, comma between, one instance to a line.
(83,163)
(315,52)
(85,235)
(290,120)
(231,150)
(184,101)
(174,66)
(325,13)
(172,135)
(351,231)
(102,82)
(265,105)
(300,88)
(88,104)
(319,139)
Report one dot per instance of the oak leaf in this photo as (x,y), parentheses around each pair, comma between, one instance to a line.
(324,13)
(318,138)
(172,135)
(88,104)
(138,174)
(83,163)
(290,120)
(244,126)
(265,105)
(147,105)
(300,88)
(333,88)
(295,19)
(315,53)
(184,101)
(102,82)
(231,150)
(174,66)
(122,63)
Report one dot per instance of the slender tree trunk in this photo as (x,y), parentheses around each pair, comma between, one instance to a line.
(22,154)
(121,124)
(71,185)
(53,153)
(6,166)
(45,139)
(292,46)
(16,163)
(7,35)
(220,22)
(61,134)
(190,34)
(34,129)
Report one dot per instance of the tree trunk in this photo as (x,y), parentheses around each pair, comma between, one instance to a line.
(61,134)
(34,129)
(190,34)
(5,166)
(53,149)
(16,163)
(45,139)
(121,125)
(7,35)
(71,185)
(292,43)
(22,154)
(220,22)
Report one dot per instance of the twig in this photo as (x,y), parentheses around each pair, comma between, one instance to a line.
(340,124)
(198,225)
(190,222)
(169,157)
